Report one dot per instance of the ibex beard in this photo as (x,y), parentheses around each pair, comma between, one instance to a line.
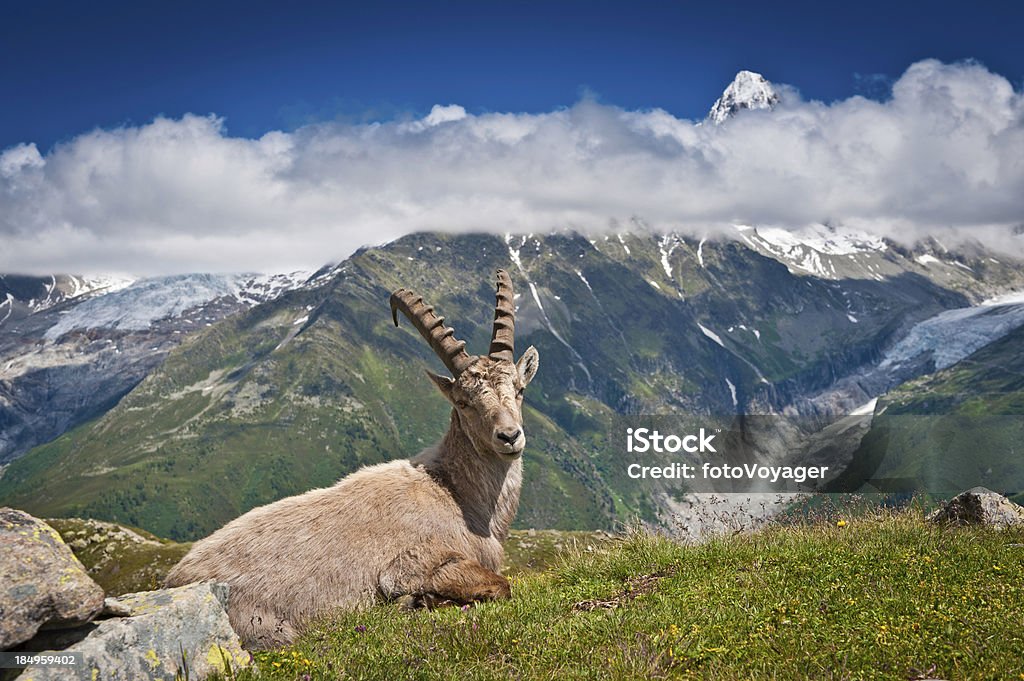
(423,531)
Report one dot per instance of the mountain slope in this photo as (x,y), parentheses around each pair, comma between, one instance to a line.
(268,403)
(72,346)
(302,389)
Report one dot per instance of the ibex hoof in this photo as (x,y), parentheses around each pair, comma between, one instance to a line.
(499,589)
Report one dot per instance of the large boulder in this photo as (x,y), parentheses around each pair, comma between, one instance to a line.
(42,584)
(167,634)
(979,506)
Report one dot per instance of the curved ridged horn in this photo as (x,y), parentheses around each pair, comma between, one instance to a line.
(503,335)
(441,338)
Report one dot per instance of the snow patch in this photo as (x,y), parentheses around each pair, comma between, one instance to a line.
(9,302)
(710,334)
(811,249)
(558,336)
(1011,298)
(513,253)
(258,288)
(666,245)
(584,280)
(623,242)
(866,408)
(732,391)
(823,239)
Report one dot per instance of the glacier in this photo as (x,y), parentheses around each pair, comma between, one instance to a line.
(952,335)
(137,306)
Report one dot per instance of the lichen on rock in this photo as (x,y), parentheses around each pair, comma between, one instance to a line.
(42,583)
(168,634)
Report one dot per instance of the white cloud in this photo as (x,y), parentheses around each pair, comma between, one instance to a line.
(22,158)
(442,114)
(181,195)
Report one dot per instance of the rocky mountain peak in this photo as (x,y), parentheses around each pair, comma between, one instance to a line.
(748,90)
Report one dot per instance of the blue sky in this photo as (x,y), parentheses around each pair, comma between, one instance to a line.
(66,68)
(155,138)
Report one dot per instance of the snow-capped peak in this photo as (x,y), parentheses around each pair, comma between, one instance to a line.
(818,249)
(748,90)
(826,239)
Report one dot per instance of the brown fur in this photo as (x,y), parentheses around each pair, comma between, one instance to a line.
(429,528)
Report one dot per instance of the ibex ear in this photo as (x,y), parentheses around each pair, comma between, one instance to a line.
(444,384)
(527,365)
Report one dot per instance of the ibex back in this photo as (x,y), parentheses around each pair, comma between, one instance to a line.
(428,530)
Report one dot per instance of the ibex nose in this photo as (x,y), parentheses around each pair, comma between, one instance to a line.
(509,435)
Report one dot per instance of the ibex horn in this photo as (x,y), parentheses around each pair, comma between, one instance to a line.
(503,334)
(441,338)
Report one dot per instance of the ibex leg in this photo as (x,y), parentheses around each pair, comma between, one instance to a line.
(455,580)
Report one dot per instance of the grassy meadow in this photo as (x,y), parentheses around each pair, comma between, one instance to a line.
(880,595)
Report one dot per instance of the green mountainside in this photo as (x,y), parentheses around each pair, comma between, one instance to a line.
(959,427)
(299,391)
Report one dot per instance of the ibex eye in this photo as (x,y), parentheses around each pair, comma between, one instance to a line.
(461,404)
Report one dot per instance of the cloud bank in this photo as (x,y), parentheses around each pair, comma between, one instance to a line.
(945,152)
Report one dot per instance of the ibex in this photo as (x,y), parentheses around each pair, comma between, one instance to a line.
(426,530)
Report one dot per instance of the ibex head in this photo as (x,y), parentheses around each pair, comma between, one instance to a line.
(486,391)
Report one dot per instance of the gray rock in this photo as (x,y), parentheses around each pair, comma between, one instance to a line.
(42,584)
(168,634)
(112,607)
(979,506)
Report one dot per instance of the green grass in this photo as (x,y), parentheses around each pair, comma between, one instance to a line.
(886,596)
